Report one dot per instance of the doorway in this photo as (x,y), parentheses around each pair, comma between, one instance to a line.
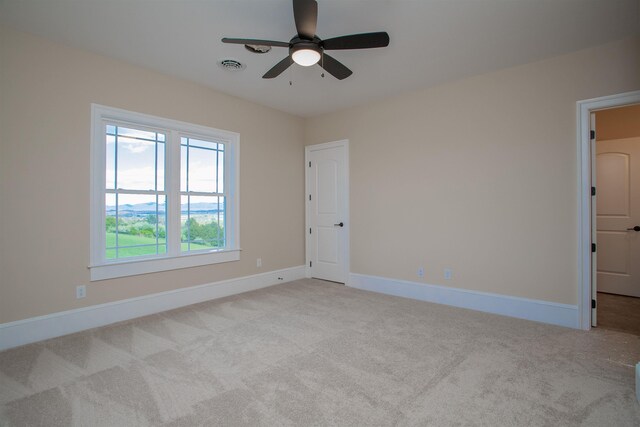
(606,242)
(617,206)
(327,211)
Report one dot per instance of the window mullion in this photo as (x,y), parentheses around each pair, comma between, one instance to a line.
(172,183)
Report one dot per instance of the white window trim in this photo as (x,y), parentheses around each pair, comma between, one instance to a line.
(101,268)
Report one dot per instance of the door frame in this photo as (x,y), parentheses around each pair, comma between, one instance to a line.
(586,226)
(307,191)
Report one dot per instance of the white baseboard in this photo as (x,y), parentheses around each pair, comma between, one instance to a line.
(39,328)
(522,308)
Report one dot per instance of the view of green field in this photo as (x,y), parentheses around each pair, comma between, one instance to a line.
(131,240)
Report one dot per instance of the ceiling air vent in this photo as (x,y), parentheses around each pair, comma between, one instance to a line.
(231,65)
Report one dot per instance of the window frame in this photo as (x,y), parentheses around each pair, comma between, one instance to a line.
(100,267)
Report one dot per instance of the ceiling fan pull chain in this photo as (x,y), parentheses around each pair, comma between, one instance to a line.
(322,64)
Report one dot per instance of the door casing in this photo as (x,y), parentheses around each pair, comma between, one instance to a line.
(585,203)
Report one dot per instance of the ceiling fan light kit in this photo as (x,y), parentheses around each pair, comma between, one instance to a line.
(306,48)
(305,55)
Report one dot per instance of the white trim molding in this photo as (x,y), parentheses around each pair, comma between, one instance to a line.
(584,155)
(152,265)
(522,308)
(14,334)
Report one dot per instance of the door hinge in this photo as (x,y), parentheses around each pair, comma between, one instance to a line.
(310,264)
(309,197)
(309,164)
(593,191)
(593,247)
(592,134)
(593,303)
(309,230)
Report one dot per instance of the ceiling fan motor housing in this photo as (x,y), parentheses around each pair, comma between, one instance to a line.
(297,43)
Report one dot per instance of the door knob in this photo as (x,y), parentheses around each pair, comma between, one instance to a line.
(342,225)
(636,228)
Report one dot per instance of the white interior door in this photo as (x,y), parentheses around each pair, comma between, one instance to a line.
(618,213)
(327,211)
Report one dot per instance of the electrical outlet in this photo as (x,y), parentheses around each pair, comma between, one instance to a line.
(259,262)
(421,272)
(81,291)
(447,274)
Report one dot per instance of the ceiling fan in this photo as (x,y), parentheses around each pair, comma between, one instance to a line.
(306,48)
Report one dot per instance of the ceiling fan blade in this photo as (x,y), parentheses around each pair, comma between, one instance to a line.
(333,67)
(256,42)
(357,41)
(278,68)
(305,13)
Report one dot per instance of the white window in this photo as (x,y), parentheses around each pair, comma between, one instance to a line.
(164,194)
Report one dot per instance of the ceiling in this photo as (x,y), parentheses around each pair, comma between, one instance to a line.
(432,41)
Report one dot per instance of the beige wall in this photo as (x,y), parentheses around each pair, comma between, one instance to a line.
(618,123)
(46,90)
(479,175)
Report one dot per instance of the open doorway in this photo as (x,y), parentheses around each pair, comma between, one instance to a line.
(617,217)
(588,218)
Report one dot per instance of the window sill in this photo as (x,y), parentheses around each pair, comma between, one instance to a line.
(143,266)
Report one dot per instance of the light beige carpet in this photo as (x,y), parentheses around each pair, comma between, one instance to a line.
(316,353)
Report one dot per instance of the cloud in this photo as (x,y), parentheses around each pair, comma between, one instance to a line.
(138,146)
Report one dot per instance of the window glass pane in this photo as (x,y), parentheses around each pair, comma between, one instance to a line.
(135,225)
(221,171)
(159,223)
(201,166)
(136,134)
(202,170)
(183,167)
(110,224)
(185,232)
(136,157)
(111,229)
(203,223)
(111,162)
(160,168)
(202,144)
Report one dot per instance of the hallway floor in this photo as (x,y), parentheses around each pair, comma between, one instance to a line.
(619,313)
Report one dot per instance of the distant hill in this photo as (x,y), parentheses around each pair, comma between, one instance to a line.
(142,209)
